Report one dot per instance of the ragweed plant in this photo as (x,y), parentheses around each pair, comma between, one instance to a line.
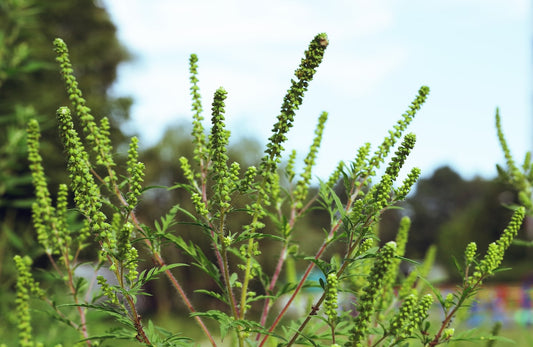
(358,304)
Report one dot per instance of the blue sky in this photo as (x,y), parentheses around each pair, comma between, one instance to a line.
(475,55)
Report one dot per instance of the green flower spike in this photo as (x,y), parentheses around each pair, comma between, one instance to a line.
(470,253)
(513,175)
(408,183)
(25,286)
(331,305)
(371,293)
(359,273)
(334,177)
(136,172)
(49,222)
(495,253)
(392,273)
(187,171)
(385,147)
(218,142)
(62,234)
(86,192)
(98,138)
(289,169)
(42,209)
(199,138)
(401,155)
(422,309)
(402,324)
(249,178)
(366,245)
(382,193)
(107,290)
(292,101)
(302,187)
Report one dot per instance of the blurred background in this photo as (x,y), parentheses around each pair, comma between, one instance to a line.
(131,59)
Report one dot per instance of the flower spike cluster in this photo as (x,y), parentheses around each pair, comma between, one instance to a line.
(49,221)
(97,137)
(232,205)
(86,191)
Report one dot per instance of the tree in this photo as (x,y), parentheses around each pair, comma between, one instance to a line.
(31,87)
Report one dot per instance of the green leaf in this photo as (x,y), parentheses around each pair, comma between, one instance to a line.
(213,294)
(146,276)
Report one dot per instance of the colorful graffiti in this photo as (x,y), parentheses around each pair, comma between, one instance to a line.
(508,304)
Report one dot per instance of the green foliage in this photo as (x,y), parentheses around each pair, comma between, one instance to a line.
(349,255)
(521,178)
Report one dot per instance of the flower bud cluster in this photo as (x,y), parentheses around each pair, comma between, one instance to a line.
(366,245)
(125,252)
(496,250)
(367,304)
(402,191)
(289,169)
(513,174)
(187,170)
(407,117)
(42,209)
(334,177)
(392,273)
(470,253)
(218,142)
(402,323)
(422,309)
(199,138)
(107,290)
(382,193)
(292,101)
(331,305)
(86,192)
(49,222)
(136,173)
(302,187)
(249,178)
(393,169)
(62,235)
(25,286)
(359,163)
(98,138)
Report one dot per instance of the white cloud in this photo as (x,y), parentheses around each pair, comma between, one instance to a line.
(380,52)
(250,48)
